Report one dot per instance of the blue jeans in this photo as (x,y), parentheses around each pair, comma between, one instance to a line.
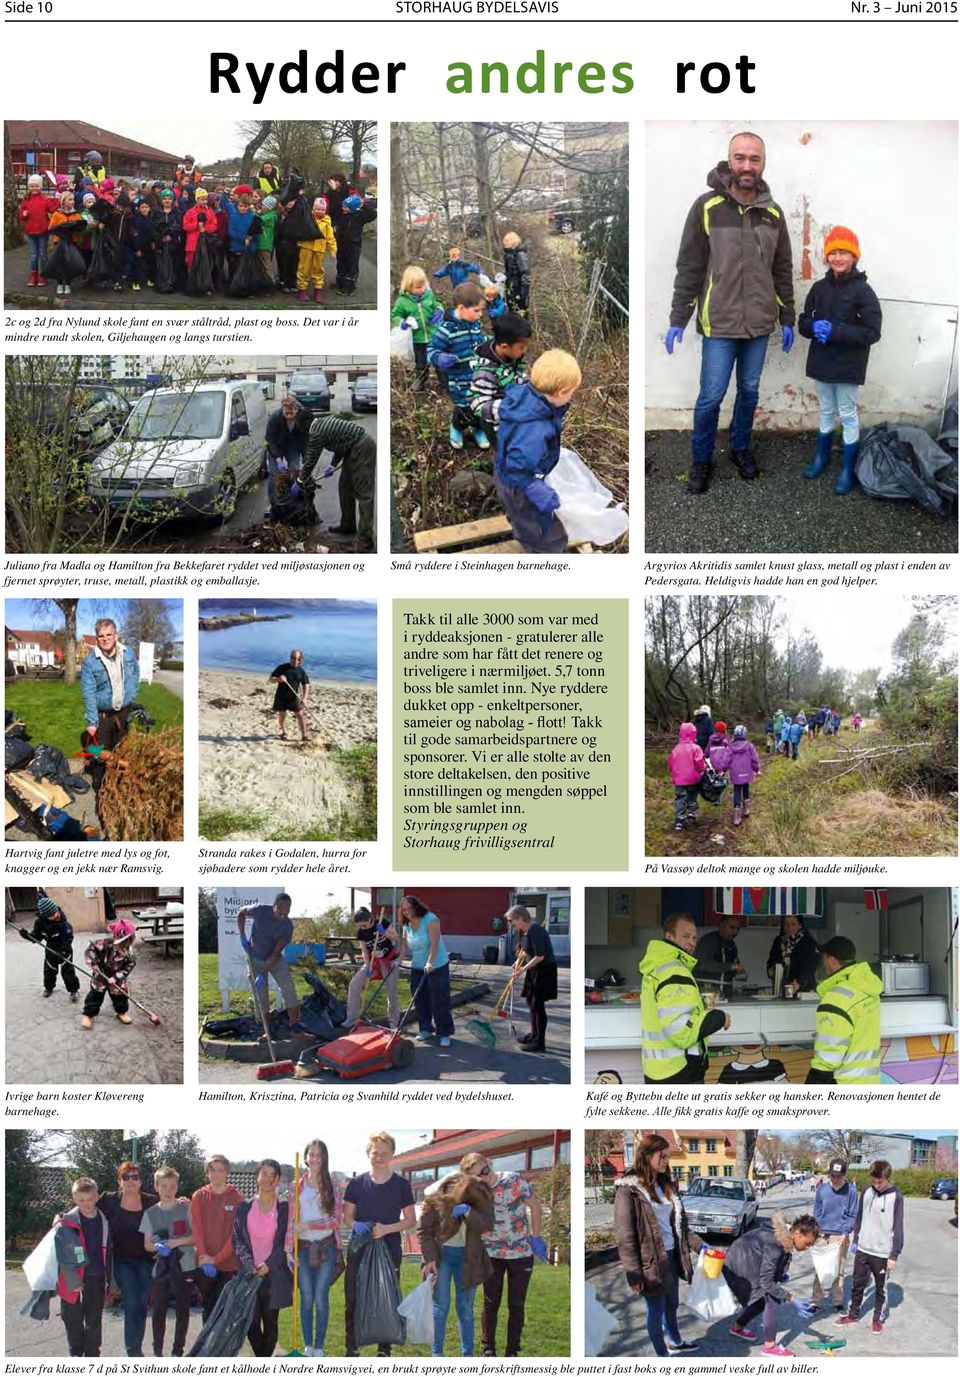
(451,1270)
(717,361)
(839,401)
(38,252)
(134,1280)
(431,994)
(315,1283)
(662,1312)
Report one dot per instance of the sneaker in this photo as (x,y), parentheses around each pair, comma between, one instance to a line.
(318,1353)
(47,994)
(41,281)
(59,291)
(74,996)
(424,1037)
(136,286)
(456,437)
(678,827)
(777,1351)
(739,1333)
(682,1347)
(745,464)
(698,480)
(877,1326)
(67,290)
(124,1018)
(32,280)
(444,1042)
(848,1319)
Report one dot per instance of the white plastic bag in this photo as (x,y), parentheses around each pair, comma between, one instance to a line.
(40,1266)
(585,511)
(598,1324)
(417,1309)
(709,1297)
(826,1263)
(401,344)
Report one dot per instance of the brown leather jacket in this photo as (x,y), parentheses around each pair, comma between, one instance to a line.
(642,1252)
(437,1224)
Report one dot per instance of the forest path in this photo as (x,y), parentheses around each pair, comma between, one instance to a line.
(801,808)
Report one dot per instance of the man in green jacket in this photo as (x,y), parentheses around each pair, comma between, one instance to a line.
(846,1045)
(674,1021)
(735,267)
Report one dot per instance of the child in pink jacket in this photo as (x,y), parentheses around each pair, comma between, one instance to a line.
(686,767)
(740,758)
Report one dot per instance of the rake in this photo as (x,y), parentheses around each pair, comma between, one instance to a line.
(483,1028)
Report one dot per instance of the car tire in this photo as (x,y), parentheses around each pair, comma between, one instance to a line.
(226,499)
(566,226)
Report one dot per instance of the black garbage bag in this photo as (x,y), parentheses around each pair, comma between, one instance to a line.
(322,1014)
(326,999)
(293,186)
(293,509)
(49,762)
(903,462)
(16,751)
(947,434)
(378,1294)
(298,223)
(224,1332)
(238,1027)
(165,271)
(65,262)
(712,785)
(200,277)
(249,277)
(105,265)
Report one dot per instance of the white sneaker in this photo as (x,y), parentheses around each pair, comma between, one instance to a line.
(59,289)
(319,1353)
(444,1042)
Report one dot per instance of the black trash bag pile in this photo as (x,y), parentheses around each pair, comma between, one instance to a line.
(250,277)
(294,508)
(947,435)
(378,1294)
(904,463)
(105,266)
(200,278)
(49,762)
(712,785)
(17,747)
(322,1014)
(224,1332)
(165,270)
(66,262)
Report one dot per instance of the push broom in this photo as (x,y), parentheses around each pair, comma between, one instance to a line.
(483,1028)
(114,989)
(269,1070)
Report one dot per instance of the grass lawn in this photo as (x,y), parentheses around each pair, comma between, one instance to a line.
(53,710)
(546,1333)
(336,978)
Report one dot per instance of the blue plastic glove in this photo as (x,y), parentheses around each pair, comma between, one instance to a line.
(259,982)
(541,496)
(822,330)
(674,336)
(460,1211)
(853,1250)
(437,316)
(404,325)
(245,943)
(786,336)
(162,1249)
(294,489)
(539,1247)
(804,1308)
(328,472)
(208,1270)
(446,361)
(362,1229)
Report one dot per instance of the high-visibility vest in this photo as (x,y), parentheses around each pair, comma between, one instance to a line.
(671,1010)
(847,1037)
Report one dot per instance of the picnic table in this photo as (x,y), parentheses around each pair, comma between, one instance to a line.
(343,949)
(165,926)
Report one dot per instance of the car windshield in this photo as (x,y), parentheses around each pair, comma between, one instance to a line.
(177,416)
(717,1190)
(309,382)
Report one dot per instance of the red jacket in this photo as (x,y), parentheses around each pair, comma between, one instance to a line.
(193,228)
(35,212)
(71,1221)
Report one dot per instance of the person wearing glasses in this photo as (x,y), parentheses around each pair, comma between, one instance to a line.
(132,1264)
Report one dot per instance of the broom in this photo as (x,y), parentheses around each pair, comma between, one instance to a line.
(267,1072)
(295,1351)
(482,1028)
(154,1018)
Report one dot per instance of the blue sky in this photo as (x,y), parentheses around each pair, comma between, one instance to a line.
(36,614)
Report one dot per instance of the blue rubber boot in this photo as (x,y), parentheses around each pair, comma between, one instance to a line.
(456,437)
(845,481)
(822,457)
(480,438)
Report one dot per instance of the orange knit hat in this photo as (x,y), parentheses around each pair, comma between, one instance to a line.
(842,238)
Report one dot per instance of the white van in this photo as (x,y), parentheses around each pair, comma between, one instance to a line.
(184,451)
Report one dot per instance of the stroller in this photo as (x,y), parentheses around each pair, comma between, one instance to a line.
(712,785)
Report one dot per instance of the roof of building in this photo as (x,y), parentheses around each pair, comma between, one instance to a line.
(449,1145)
(24,133)
(43,639)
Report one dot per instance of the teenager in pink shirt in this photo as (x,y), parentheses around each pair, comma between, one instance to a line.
(259,1237)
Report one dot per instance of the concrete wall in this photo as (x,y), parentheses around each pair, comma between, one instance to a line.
(894,184)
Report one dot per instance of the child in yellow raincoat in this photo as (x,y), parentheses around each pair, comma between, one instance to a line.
(312,252)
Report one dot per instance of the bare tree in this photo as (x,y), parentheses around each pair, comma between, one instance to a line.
(256,134)
(745,1147)
(598,1144)
(845,1143)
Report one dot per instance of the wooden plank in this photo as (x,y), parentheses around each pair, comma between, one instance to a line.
(37,792)
(502,547)
(444,537)
(10,813)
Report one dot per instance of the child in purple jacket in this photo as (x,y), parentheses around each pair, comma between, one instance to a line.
(741,760)
(686,764)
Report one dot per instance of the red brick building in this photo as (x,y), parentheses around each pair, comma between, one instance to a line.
(61,145)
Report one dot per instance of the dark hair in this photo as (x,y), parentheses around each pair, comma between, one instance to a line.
(798,918)
(339,178)
(510,329)
(283,899)
(419,907)
(671,924)
(273,1164)
(649,1179)
(468,294)
(881,1167)
(805,1224)
(327,1197)
(841,949)
(362,915)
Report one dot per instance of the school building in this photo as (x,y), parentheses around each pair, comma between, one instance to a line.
(62,145)
(472,919)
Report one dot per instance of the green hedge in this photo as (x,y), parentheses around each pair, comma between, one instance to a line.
(908,1180)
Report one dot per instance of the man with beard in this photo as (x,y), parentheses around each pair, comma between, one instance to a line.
(735,267)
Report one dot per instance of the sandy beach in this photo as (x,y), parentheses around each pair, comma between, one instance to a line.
(245,767)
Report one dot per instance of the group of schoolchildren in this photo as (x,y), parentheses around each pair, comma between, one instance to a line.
(263,236)
(705,749)
(516,411)
(784,733)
